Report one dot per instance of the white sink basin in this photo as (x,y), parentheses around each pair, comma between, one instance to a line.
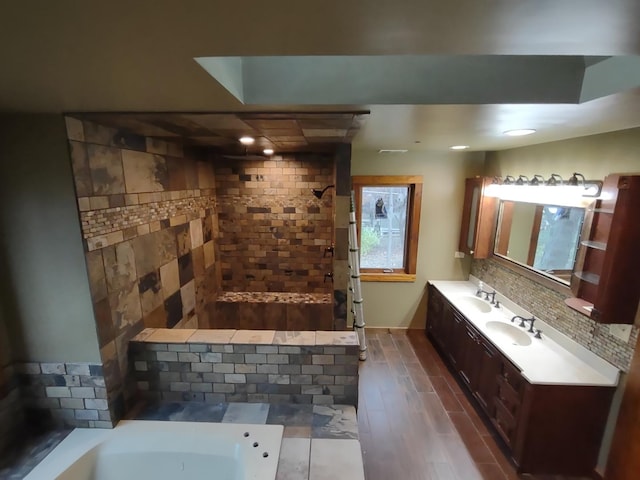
(509,333)
(474,303)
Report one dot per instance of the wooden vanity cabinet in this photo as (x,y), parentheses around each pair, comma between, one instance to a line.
(607,269)
(479,214)
(548,429)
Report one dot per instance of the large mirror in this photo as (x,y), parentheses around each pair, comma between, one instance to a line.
(541,237)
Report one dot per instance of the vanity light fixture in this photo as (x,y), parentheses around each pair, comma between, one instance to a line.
(268,151)
(554,190)
(537,180)
(521,132)
(554,180)
(574,181)
(247,140)
(459,147)
(592,188)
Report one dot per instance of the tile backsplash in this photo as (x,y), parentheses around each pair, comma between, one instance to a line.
(549,305)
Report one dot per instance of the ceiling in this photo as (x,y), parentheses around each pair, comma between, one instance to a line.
(123,56)
(282,132)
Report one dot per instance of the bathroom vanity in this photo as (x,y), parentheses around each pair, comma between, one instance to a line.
(547,399)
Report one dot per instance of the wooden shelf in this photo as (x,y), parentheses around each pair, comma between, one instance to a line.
(609,251)
(579,305)
(592,244)
(589,277)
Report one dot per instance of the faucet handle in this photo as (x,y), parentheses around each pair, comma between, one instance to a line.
(531,320)
(538,332)
(497,304)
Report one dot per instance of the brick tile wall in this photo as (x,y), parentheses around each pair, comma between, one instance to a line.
(227,372)
(66,395)
(273,231)
(549,305)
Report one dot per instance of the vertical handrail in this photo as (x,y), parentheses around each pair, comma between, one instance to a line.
(354,281)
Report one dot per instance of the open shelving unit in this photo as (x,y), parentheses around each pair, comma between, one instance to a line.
(606,277)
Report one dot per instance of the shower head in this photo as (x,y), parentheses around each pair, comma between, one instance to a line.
(319,193)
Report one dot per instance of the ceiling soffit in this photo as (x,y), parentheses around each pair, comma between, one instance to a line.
(422,79)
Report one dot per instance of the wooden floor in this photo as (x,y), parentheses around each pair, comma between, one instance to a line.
(415,422)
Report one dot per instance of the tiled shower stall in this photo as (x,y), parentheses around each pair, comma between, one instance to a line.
(179,237)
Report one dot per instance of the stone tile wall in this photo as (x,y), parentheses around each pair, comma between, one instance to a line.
(66,395)
(273,231)
(148,214)
(342,174)
(549,305)
(268,367)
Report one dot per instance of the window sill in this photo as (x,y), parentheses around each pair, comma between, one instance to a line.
(388,277)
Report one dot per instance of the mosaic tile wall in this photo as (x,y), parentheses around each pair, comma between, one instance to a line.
(149,222)
(273,231)
(247,366)
(66,395)
(549,306)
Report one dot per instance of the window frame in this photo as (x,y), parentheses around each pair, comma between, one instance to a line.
(414,183)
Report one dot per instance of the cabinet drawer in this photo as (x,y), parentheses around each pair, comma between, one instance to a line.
(511,376)
(504,422)
(509,398)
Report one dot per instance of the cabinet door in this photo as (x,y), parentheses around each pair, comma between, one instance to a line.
(470,355)
(486,386)
(435,312)
(479,215)
(456,336)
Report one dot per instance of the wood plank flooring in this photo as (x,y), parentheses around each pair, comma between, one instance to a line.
(415,422)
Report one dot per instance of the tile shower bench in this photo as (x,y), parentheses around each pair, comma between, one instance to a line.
(264,366)
(273,311)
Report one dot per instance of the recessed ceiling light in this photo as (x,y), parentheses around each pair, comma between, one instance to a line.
(459,147)
(520,132)
(268,151)
(392,150)
(247,140)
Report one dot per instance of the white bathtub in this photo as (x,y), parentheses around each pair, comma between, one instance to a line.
(140,450)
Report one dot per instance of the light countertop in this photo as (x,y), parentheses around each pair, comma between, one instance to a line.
(552,360)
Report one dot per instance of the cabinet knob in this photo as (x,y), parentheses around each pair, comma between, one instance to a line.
(471,252)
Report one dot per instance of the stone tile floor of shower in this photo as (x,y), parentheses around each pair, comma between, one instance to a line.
(414,421)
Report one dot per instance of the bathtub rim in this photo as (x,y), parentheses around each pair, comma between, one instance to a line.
(81,440)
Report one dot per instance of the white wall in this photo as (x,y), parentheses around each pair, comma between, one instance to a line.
(403,305)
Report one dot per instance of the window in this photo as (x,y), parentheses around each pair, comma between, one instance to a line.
(388,219)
